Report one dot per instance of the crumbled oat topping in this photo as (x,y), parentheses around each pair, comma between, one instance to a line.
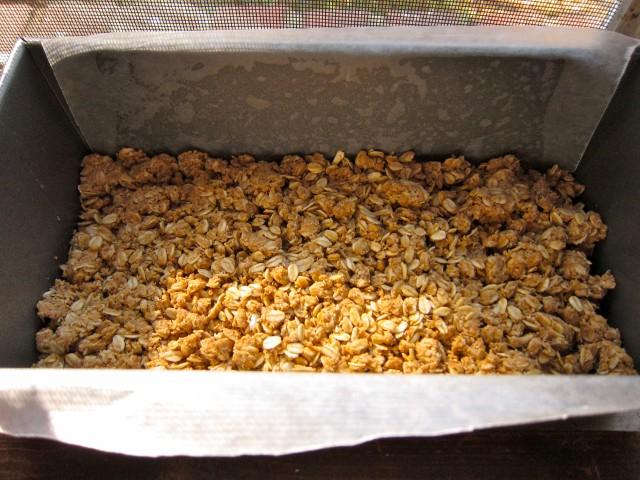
(373,264)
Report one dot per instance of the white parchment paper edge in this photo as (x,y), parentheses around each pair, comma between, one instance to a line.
(156,413)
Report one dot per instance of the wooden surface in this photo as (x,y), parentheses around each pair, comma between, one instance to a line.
(483,455)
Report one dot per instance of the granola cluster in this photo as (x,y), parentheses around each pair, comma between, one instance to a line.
(377,263)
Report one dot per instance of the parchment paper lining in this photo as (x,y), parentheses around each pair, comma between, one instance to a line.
(154,413)
(482,91)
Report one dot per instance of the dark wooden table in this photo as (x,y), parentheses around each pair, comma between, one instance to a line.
(512,454)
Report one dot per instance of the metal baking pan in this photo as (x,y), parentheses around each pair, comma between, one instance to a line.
(564,96)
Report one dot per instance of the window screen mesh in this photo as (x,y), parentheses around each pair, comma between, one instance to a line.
(47,18)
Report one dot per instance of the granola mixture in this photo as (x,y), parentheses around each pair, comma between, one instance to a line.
(373,264)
